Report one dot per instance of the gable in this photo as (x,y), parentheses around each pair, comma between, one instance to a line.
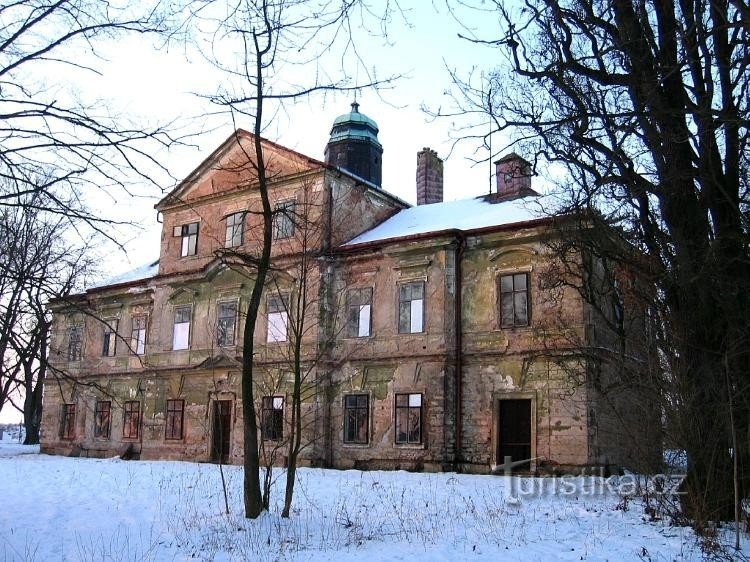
(232,166)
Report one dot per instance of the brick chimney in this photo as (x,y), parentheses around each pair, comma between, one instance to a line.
(429,177)
(513,177)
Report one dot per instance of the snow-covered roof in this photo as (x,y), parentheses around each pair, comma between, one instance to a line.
(465,214)
(149,269)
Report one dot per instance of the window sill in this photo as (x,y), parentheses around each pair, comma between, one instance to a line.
(415,446)
(355,445)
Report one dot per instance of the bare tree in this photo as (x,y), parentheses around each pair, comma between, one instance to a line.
(645,105)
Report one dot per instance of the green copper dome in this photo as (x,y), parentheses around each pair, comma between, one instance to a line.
(355,126)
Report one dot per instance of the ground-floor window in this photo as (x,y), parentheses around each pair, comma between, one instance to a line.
(272,419)
(131,422)
(102,418)
(409,418)
(175,417)
(356,418)
(68,421)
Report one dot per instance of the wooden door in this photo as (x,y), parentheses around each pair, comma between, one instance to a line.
(221,430)
(514,432)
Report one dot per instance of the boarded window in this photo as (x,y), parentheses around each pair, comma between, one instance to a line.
(175,417)
(102,419)
(109,343)
(235,230)
(272,420)
(411,308)
(514,300)
(132,419)
(283,220)
(75,343)
(408,418)
(188,233)
(181,331)
(356,418)
(225,324)
(278,318)
(68,421)
(359,311)
(138,335)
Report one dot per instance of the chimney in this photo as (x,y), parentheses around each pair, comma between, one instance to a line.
(513,177)
(429,177)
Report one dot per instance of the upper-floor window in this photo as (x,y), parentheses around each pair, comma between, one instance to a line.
(68,421)
(359,309)
(411,308)
(235,230)
(138,335)
(283,220)
(188,233)
(109,343)
(356,418)
(102,418)
(514,300)
(272,419)
(225,324)
(75,342)
(181,330)
(175,419)
(278,318)
(408,418)
(132,419)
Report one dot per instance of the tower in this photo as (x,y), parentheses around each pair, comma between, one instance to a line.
(354,146)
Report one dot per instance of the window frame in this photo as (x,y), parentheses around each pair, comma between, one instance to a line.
(183,232)
(109,341)
(526,291)
(283,311)
(354,311)
(408,408)
(356,408)
(102,430)
(234,226)
(169,419)
(402,301)
(131,419)
(68,421)
(189,322)
(219,319)
(283,220)
(135,340)
(75,346)
(275,431)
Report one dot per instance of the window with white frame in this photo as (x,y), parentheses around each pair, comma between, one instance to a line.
(181,329)
(411,308)
(278,318)
(235,230)
(359,311)
(188,233)
(138,335)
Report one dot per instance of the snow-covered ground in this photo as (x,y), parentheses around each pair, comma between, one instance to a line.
(56,508)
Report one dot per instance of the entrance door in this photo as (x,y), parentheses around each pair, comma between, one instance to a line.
(221,430)
(514,432)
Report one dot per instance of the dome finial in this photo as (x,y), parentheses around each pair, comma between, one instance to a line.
(355,106)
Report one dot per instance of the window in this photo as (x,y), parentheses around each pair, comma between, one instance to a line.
(132,420)
(408,418)
(359,307)
(272,421)
(411,308)
(175,416)
(102,418)
(283,220)
(68,421)
(356,418)
(109,345)
(514,300)
(189,235)
(181,330)
(75,343)
(226,323)
(278,318)
(235,230)
(138,335)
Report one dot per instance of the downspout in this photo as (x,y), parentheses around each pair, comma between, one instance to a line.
(460,247)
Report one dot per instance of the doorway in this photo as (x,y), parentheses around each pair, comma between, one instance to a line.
(514,432)
(221,430)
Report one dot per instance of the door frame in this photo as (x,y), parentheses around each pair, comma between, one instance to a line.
(214,404)
(521,395)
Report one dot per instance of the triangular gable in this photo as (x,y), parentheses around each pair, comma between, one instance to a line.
(232,166)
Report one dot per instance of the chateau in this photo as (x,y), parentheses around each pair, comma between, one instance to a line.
(426,336)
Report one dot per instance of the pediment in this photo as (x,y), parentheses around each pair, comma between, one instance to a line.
(232,166)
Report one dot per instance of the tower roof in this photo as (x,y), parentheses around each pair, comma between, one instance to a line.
(354,125)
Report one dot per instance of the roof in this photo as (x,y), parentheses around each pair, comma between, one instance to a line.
(465,214)
(145,271)
(354,125)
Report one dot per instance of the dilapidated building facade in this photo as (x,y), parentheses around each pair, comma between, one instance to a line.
(426,336)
